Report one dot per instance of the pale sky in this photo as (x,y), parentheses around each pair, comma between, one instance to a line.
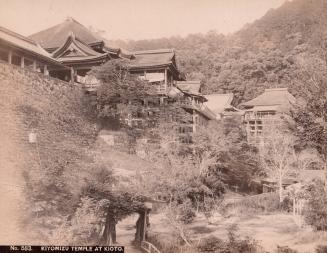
(135,19)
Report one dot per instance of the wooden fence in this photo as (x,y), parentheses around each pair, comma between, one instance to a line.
(149,247)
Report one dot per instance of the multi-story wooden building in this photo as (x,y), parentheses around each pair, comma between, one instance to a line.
(270,109)
(69,50)
(21,51)
(221,105)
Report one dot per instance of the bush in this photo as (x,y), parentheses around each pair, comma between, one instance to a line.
(211,244)
(232,245)
(262,203)
(187,212)
(85,226)
(316,211)
(285,249)
(321,249)
(169,246)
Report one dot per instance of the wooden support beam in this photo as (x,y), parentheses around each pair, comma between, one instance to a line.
(145,227)
(10,57)
(72,75)
(22,62)
(45,70)
(34,65)
(166,76)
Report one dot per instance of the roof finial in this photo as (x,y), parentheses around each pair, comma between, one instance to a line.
(69,18)
(72,34)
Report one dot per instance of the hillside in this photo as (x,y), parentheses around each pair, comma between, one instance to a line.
(34,189)
(265,54)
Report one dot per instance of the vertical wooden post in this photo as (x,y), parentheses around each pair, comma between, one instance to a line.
(144,225)
(34,65)
(22,62)
(72,75)
(10,57)
(194,121)
(166,76)
(45,70)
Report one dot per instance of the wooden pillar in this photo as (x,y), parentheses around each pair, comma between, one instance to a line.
(10,57)
(71,75)
(45,70)
(194,121)
(34,65)
(22,62)
(166,76)
(144,225)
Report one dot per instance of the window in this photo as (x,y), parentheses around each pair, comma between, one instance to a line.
(16,60)
(28,64)
(3,55)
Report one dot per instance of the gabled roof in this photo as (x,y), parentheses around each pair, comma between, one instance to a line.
(152,58)
(26,44)
(75,49)
(55,36)
(155,59)
(191,87)
(219,102)
(272,97)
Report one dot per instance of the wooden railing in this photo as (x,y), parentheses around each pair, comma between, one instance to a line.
(149,247)
(161,89)
(91,86)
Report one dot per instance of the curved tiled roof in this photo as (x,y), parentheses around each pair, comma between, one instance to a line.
(55,36)
(272,97)
(152,58)
(219,102)
(192,87)
(24,43)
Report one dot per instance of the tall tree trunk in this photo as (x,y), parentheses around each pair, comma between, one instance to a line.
(280,189)
(109,234)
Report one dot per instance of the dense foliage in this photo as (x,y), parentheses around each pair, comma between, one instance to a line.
(316,213)
(261,55)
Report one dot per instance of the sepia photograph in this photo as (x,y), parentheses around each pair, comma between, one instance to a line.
(163,126)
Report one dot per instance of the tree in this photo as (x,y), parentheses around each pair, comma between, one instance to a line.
(221,150)
(311,116)
(277,156)
(121,93)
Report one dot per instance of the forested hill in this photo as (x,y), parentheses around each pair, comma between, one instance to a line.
(267,53)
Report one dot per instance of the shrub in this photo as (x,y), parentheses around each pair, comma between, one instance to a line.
(285,249)
(262,203)
(321,249)
(187,212)
(211,244)
(232,245)
(85,226)
(316,211)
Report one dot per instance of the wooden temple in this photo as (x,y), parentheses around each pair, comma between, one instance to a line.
(21,51)
(69,50)
(269,109)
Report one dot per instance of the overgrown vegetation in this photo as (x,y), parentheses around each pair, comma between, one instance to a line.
(234,244)
(262,55)
(316,213)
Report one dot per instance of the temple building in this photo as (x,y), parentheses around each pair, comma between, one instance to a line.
(158,67)
(270,109)
(21,51)
(75,46)
(69,50)
(221,105)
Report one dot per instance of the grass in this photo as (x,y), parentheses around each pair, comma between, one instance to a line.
(270,230)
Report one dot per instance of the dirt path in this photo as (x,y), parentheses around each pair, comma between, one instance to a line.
(125,234)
